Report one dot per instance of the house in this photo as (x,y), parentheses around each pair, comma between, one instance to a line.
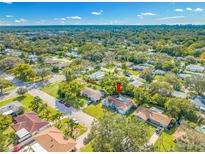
(97,75)
(51,62)
(155,118)
(183,76)
(121,104)
(179,94)
(92,94)
(195,68)
(29,123)
(136,83)
(159,72)
(52,140)
(199,102)
(12,109)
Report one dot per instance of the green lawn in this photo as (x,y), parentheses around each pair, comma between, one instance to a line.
(164,142)
(9,89)
(51,89)
(95,110)
(62,125)
(87,148)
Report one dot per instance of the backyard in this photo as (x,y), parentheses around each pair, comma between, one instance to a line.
(64,124)
(164,142)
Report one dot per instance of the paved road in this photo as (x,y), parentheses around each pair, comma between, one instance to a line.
(18,83)
(82,117)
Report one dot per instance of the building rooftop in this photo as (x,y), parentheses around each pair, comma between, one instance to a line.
(122,103)
(179,94)
(10,108)
(52,140)
(147,114)
(92,93)
(30,121)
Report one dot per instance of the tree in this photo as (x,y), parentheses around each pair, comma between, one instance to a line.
(8,63)
(5,122)
(142,95)
(172,79)
(43,72)
(24,72)
(70,92)
(196,83)
(162,88)
(22,91)
(178,107)
(147,75)
(115,133)
(4,83)
(71,126)
(2,141)
(109,83)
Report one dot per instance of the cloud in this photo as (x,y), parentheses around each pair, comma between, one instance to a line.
(198,10)
(179,10)
(9,16)
(74,18)
(97,13)
(7,2)
(62,19)
(189,9)
(21,20)
(148,14)
(173,17)
(141,15)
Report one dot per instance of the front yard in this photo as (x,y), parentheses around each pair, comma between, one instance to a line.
(63,125)
(51,89)
(95,110)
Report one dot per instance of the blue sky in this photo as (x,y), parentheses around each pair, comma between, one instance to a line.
(79,13)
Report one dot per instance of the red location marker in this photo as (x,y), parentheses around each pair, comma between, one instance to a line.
(119,87)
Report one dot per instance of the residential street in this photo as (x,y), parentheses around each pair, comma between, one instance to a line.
(82,117)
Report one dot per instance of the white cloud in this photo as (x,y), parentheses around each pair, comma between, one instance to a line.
(9,16)
(21,20)
(7,2)
(189,9)
(62,19)
(198,10)
(141,15)
(173,17)
(179,10)
(97,13)
(148,14)
(74,18)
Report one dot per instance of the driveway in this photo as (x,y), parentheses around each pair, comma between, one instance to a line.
(153,139)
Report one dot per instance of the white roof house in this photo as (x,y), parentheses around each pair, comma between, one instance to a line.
(179,94)
(195,68)
(97,75)
(136,83)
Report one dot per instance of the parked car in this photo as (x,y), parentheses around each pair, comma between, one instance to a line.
(127,74)
(90,102)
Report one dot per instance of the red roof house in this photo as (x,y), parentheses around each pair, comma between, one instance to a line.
(30,121)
